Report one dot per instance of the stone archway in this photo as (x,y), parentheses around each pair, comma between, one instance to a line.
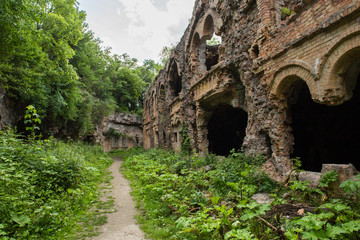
(204,55)
(226,129)
(286,75)
(175,81)
(323,134)
(339,70)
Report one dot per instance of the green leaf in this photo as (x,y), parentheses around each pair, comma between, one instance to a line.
(315,235)
(291,235)
(352,226)
(248,215)
(215,200)
(22,220)
(335,231)
(351,186)
(327,178)
(241,234)
(341,207)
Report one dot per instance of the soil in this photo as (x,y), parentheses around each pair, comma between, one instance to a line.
(121,224)
(289,211)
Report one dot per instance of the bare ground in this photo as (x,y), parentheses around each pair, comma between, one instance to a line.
(121,224)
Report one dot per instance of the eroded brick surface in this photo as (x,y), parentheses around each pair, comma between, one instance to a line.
(119,131)
(255,69)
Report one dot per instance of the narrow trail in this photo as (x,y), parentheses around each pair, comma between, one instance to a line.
(121,225)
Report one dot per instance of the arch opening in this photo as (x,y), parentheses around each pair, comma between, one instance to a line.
(154,103)
(164,138)
(162,92)
(266,143)
(324,134)
(212,50)
(175,80)
(208,29)
(255,51)
(212,56)
(205,50)
(226,129)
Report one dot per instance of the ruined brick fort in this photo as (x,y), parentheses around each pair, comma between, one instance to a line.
(280,84)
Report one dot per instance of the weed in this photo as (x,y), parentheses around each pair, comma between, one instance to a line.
(46,185)
(192,197)
(286,12)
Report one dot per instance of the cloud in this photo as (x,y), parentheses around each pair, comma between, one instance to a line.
(160,4)
(138,27)
(153,24)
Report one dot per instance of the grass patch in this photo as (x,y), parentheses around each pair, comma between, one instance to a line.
(126,153)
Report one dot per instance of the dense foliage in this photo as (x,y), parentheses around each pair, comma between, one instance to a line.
(51,60)
(186,197)
(46,185)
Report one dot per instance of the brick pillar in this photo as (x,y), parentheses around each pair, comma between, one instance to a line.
(202,129)
(266,8)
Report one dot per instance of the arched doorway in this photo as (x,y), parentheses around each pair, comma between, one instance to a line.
(324,134)
(174,80)
(226,129)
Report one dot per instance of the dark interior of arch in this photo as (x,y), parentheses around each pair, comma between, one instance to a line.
(325,134)
(209,26)
(162,92)
(175,80)
(212,56)
(226,129)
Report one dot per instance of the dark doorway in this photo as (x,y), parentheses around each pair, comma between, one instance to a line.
(226,129)
(324,134)
(175,80)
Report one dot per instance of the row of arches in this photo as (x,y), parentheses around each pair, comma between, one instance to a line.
(323,105)
(322,109)
(322,101)
(322,134)
(204,44)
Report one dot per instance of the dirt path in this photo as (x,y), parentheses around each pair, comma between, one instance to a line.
(121,224)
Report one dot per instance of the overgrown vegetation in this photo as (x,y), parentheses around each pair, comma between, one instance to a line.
(46,186)
(51,60)
(113,133)
(211,198)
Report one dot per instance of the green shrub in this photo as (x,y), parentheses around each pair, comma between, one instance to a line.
(113,133)
(45,185)
(171,187)
(191,197)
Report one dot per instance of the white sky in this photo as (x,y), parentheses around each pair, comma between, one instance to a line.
(139,28)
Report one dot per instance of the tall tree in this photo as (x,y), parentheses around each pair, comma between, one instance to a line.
(51,60)
(39,38)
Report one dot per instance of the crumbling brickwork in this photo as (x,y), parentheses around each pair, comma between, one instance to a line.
(282,83)
(119,131)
